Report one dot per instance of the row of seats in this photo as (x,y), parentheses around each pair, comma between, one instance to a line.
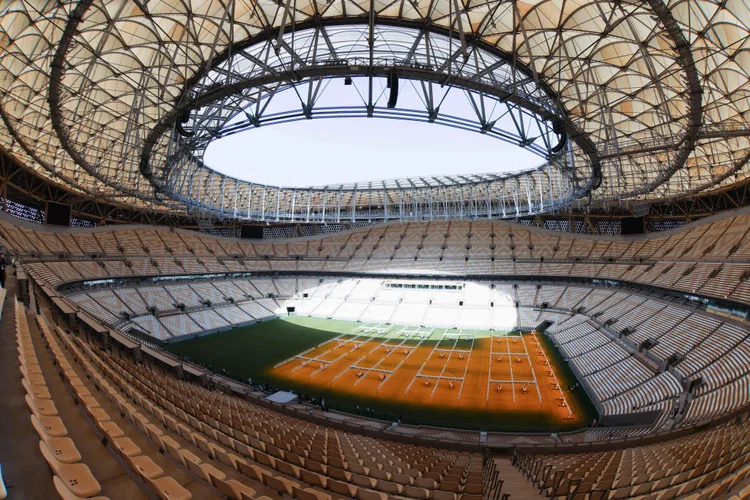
(142,463)
(268,449)
(725,238)
(704,465)
(73,479)
(715,351)
(728,280)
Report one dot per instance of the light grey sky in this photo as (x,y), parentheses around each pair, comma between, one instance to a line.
(331,151)
(340,150)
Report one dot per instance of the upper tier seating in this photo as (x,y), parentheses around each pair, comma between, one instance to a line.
(707,258)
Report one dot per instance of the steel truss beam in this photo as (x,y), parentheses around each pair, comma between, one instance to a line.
(235,97)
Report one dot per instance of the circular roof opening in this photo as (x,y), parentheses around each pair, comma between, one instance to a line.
(357,150)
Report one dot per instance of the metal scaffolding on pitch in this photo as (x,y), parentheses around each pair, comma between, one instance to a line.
(455,336)
(510,355)
(339,340)
(422,332)
(550,372)
(459,335)
(379,328)
(364,371)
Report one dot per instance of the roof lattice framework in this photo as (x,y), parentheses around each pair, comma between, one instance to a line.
(659,88)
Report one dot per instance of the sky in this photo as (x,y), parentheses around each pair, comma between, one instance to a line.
(332,151)
(340,150)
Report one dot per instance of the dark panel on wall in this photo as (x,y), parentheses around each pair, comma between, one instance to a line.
(634,225)
(58,214)
(251,232)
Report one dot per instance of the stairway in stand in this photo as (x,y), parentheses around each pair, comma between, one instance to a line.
(514,483)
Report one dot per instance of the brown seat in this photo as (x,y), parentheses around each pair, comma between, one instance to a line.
(230,487)
(66,494)
(416,492)
(155,434)
(281,484)
(167,488)
(110,429)
(288,469)
(52,426)
(126,447)
(41,406)
(424,482)
(145,467)
(251,470)
(342,488)
(86,400)
(37,391)
(76,477)
(363,494)
(98,415)
(62,448)
(309,494)
(442,495)
(390,487)
(363,481)
(202,470)
(473,488)
(313,478)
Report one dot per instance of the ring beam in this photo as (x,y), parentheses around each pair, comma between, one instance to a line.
(501,102)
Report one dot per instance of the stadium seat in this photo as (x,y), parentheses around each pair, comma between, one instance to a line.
(416,492)
(167,488)
(66,494)
(126,447)
(63,448)
(232,488)
(144,466)
(342,488)
(43,407)
(76,477)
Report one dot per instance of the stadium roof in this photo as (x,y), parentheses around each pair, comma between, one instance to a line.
(624,100)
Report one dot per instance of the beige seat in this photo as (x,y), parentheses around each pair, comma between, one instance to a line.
(110,429)
(167,488)
(416,492)
(363,494)
(52,426)
(37,391)
(41,406)
(309,494)
(342,488)
(97,414)
(76,477)
(363,481)
(232,488)
(202,470)
(442,495)
(186,456)
(473,489)
(33,378)
(33,369)
(281,484)
(154,433)
(313,478)
(173,448)
(62,448)
(145,467)
(424,482)
(451,486)
(389,487)
(66,494)
(288,469)
(246,497)
(126,447)
(251,470)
